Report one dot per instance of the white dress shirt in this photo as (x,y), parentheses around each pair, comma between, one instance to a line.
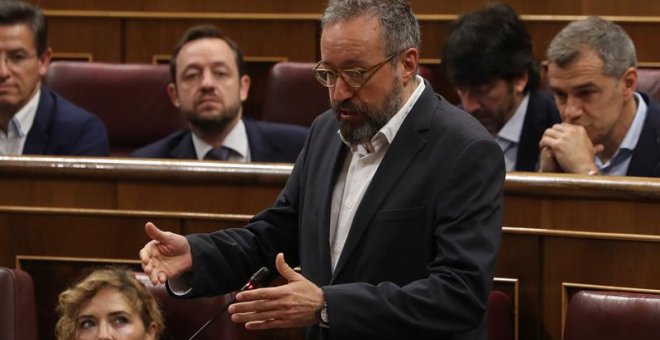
(13,140)
(236,141)
(509,136)
(358,170)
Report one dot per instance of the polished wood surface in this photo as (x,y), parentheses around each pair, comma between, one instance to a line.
(135,184)
(557,228)
(564,7)
(144,31)
(136,31)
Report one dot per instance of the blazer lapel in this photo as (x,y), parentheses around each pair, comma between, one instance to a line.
(328,174)
(259,148)
(185,149)
(647,152)
(408,141)
(540,115)
(36,142)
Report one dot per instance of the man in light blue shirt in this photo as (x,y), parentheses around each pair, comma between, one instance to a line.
(488,57)
(607,127)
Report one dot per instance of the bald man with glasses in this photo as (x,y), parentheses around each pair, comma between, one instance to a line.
(393,210)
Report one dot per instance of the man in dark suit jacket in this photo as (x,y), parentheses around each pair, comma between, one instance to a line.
(395,221)
(608,128)
(33,119)
(268,142)
(209,86)
(488,56)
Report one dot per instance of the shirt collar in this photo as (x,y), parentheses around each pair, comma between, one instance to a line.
(632,136)
(387,133)
(24,118)
(236,140)
(513,128)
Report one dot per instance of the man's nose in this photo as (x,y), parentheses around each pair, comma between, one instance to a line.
(208,79)
(469,102)
(572,110)
(4,68)
(341,91)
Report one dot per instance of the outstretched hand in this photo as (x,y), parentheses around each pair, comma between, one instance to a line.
(165,256)
(291,305)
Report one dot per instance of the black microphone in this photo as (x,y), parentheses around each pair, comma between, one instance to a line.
(260,278)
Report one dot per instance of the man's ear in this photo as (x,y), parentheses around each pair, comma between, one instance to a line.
(519,83)
(629,82)
(244,87)
(171,91)
(44,61)
(410,63)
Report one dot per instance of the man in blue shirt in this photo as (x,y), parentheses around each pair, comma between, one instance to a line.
(607,127)
(488,57)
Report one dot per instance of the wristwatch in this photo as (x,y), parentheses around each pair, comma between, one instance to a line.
(322,315)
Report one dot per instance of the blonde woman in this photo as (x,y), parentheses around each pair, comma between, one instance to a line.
(108,304)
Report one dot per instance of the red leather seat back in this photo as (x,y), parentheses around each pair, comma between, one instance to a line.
(500,316)
(648,81)
(293,95)
(18,315)
(130,99)
(612,316)
(183,317)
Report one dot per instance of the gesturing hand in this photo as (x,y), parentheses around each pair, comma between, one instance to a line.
(166,255)
(291,305)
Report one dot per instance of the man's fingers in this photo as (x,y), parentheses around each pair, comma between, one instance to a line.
(153,232)
(598,148)
(285,270)
(251,307)
(162,278)
(270,293)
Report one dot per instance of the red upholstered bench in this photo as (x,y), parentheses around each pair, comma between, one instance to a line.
(183,317)
(18,315)
(612,315)
(293,95)
(130,99)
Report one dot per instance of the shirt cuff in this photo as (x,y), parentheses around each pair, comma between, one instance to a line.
(181,285)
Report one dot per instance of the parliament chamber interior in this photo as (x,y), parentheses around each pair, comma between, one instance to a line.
(569,242)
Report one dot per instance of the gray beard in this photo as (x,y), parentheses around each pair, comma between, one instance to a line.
(376,117)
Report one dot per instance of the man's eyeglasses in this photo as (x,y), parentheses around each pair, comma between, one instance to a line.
(16,59)
(353,77)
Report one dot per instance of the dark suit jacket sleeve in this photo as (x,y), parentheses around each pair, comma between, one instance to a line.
(92,139)
(62,128)
(224,260)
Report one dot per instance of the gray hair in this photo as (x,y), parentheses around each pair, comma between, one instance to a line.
(400,27)
(607,39)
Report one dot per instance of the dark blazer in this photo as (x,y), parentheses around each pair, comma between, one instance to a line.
(645,160)
(541,114)
(418,261)
(62,128)
(269,142)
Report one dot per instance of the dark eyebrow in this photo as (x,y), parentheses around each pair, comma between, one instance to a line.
(587,86)
(556,90)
